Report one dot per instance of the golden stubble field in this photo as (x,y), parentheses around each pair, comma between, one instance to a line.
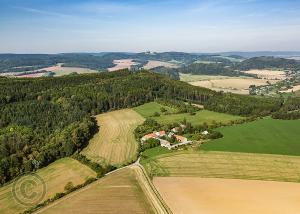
(192,195)
(267,74)
(154,64)
(55,176)
(122,64)
(116,193)
(225,165)
(234,85)
(115,142)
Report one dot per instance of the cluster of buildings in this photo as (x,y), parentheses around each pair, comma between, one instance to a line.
(162,136)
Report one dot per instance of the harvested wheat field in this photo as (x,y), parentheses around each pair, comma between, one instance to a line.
(231,165)
(267,74)
(55,176)
(118,192)
(114,143)
(154,64)
(195,77)
(234,85)
(61,71)
(225,196)
(122,64)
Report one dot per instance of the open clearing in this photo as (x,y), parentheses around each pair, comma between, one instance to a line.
(267,74)
(194,78)
(114,143)
(122,64)
(229,165)
(234,85)
(154,64)
(224,196)
(118,192)
(147,110)
(61,71)
(55,176)
(267,136)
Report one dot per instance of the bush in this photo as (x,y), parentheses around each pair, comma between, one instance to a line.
(156,114)
(69,186)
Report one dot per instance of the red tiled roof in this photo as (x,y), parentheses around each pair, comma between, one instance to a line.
(180,138)
(150,136)
(162,132)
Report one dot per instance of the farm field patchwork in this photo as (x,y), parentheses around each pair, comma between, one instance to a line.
(234,85)
(228,165)
(267,136)
(55,176)
(122,64)
(114,143)
(226,196)
(154,64)
(267,74)
(148,110)
(61,71)
(194,78)
(118,192)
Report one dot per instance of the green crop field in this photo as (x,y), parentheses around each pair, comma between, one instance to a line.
(55,176)
(148,110)
(231,165)
(267,136)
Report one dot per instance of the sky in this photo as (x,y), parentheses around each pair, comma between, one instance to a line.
(60,26)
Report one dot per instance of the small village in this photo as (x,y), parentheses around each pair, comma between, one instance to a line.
(169,140)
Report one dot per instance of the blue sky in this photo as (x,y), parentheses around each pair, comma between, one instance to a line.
(54,26)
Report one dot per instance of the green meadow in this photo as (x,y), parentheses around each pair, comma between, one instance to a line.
(147,110)
(267,136)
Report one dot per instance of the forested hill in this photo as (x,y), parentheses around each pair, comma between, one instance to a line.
(269,62)
(202,64)
(45,119)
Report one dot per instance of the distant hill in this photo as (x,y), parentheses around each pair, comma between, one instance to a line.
(228,63)
(269,62)
(283,54)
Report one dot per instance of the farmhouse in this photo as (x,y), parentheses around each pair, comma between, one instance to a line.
(155,135)
(205,133)
(180,138)
(148,136)
(165,143)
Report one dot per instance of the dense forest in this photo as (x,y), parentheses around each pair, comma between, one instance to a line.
(269,62)
(45,119)
(243,105)
(208,69)
(290,110)
(30,62)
